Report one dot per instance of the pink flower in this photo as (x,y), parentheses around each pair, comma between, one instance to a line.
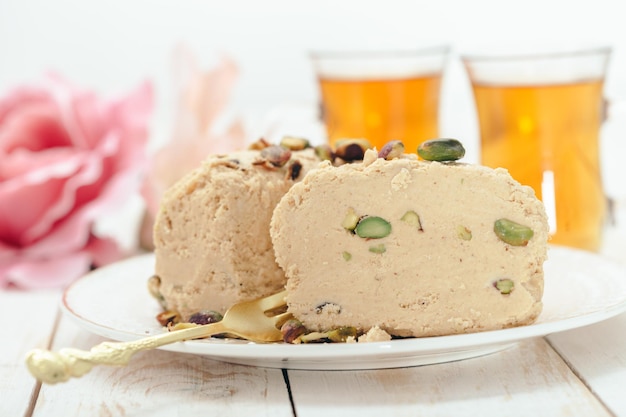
(66,157)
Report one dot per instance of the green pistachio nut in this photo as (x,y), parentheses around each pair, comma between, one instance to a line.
(463,232)
(276,155)
(291,330)
(505,285)
(294,143)
(350,220)
(413,219)
(154,285)
(205,317)
(341,334)
(324,153)
(441,150)
(373,227)
(514,234)
(391,150)
(378,248)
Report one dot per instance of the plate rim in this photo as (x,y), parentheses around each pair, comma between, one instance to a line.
(240,351)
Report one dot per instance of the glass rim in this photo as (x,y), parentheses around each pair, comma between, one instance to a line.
(562,53)
(349,54)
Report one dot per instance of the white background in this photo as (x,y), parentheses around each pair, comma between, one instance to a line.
(110,46)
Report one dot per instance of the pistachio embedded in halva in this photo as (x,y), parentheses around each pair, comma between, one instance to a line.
(350,220)
(513,233)
(504,285)
(412,218)
(373,227)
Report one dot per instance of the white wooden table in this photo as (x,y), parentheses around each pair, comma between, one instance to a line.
(580,372)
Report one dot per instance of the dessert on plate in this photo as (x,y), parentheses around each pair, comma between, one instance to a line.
(391,244)
(211,234)
(415,248)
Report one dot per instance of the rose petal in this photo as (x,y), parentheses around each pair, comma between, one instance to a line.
(34,127)
(89,173)
(22,96)
(103,251)
(80,111)
(48,272)
(25,166)
(25,199)
(68,233)
(80,157)
(113,154)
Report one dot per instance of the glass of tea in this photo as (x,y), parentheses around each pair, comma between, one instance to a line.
(540,117)
(381,95)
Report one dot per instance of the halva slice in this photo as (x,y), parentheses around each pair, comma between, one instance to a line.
(212,242)
(414,248)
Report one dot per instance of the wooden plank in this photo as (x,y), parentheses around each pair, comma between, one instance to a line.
(160,383)
(598,355)
(28,322)
(525,380)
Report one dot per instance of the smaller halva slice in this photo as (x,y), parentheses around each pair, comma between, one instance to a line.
(415,248)
(211,235)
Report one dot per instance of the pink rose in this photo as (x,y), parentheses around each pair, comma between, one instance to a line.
(66,157)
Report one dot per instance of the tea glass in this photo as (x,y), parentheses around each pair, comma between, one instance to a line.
(540,117)
(381,95)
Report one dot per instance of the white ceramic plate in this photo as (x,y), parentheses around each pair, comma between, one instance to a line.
(580,289)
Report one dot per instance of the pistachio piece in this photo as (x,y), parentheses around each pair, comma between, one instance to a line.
(205,317)
(291,330)
(463,232)
(512,233)
(294,143)
(313,337)
(505,285)
(373,227)
(324,153)
(276,155)
(341,334)
(227,162)
(391,150)
(351,149)
(441,150)
(350,220)
(168,318)
(183,326)
(154,284)
(259,144)
(380,248)
(413,219)
(346,256)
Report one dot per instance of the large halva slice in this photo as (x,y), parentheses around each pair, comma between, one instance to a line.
(415,248)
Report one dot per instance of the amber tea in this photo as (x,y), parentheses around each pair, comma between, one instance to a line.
(380,110)
(547,135)
(381,96)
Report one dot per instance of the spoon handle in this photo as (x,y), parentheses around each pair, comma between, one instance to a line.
(52,367)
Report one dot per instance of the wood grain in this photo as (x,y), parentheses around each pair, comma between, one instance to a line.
(528,379)
(27,322)
(598,354)
(160,383)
